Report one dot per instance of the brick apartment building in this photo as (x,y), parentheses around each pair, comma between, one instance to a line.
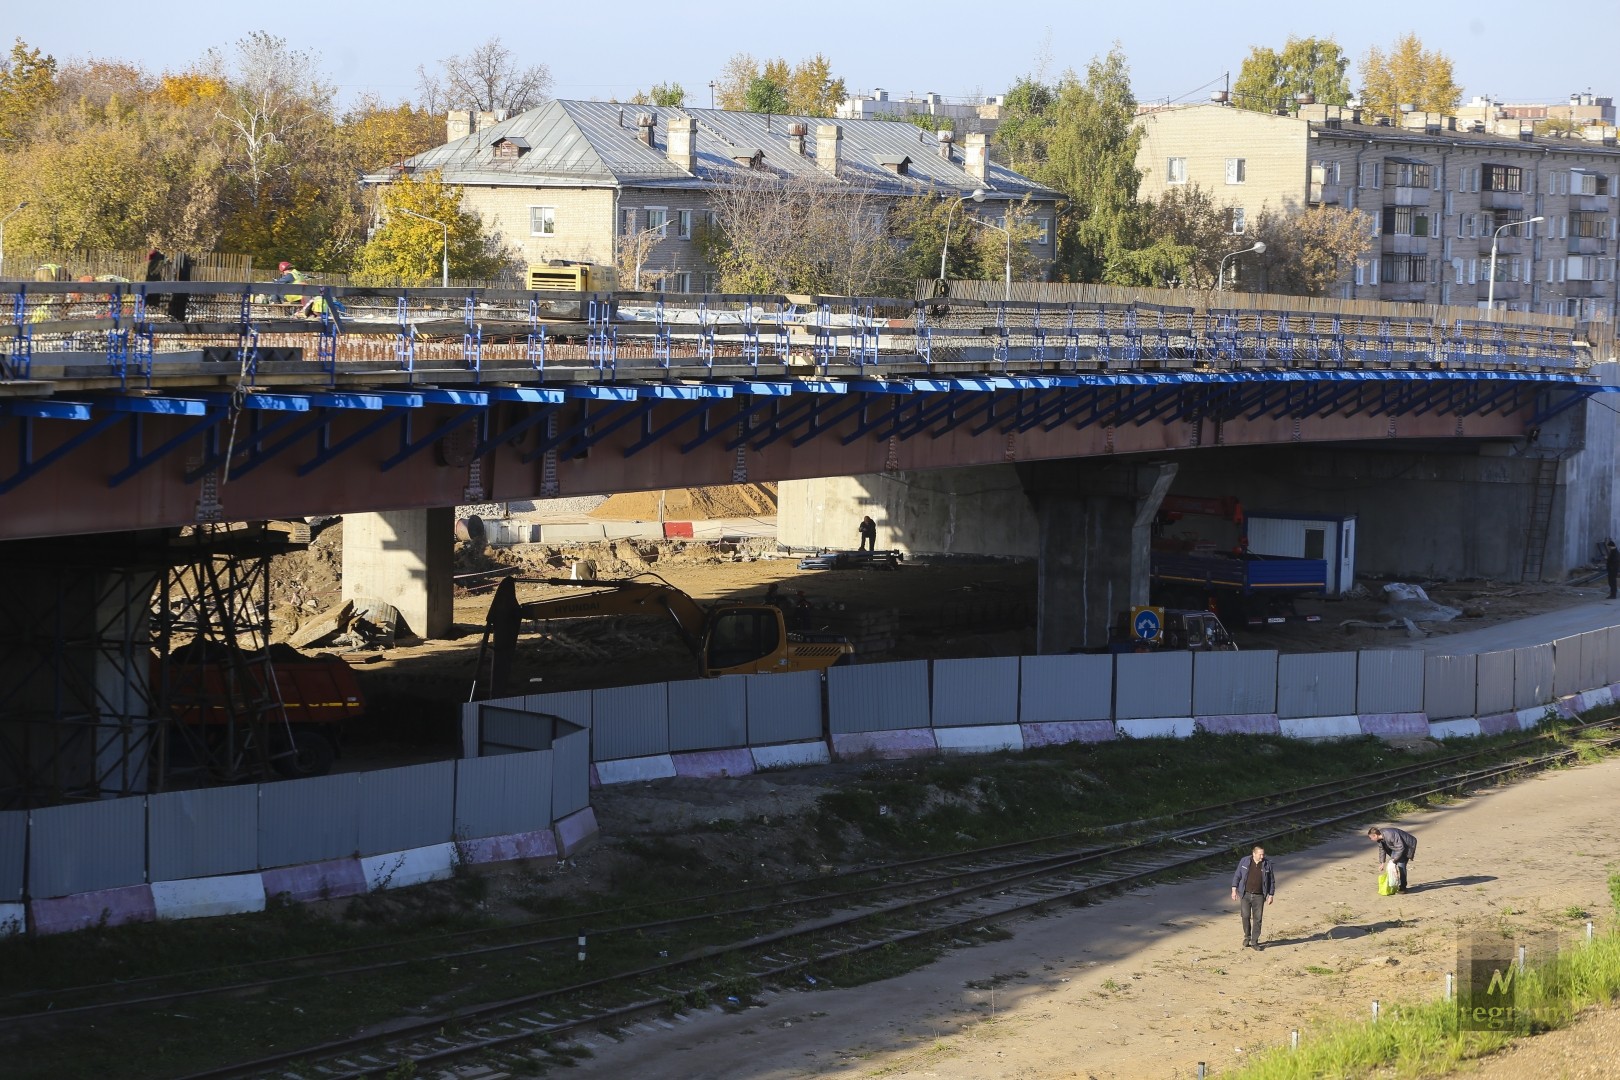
(571,179)
(1435,191)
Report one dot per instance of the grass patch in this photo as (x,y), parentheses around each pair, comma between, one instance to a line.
(1317,969)
(1401,808)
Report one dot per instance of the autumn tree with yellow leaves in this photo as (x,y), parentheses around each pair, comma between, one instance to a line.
(1408,74)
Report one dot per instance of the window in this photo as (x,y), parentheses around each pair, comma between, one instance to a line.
(1237,170)
(1405,221)
(1503,178)
(681,282)
(1043,231)
(1407,174)
(1457,265)
(542,221)
(683,226)
(1370,174)
(627,221)
(1235,220)
(1176,171)
(657,218)
(1403,269)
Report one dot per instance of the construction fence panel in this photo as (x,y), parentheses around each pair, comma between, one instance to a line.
(13,855)
(309,820)
(1532,676)
(878,697)
(1595,659)
(570,774)
(1234,683)
(204,832)
(1450,686)
(630,722)
(507,794)
(1316,684)
(409,807)
(978,691)
(86,847)
(708,714)
(784,708)
(1063,689)
(1389,681)
(1613,671)
(1150,685)
(1566,673)
(505,730)
(572,705)
(1494,683)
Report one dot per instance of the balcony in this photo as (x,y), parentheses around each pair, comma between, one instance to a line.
(1505,289)
(1601,203)
(1406,196)
(1502,200)
(1588,245)
(1585,288)
(1505,245)
(1327,195)
(1412,292)
(1401,244)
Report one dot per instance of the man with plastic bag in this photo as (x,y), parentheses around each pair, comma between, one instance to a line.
(1396,848)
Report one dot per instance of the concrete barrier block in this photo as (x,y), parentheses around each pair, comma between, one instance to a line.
(629,770)
(325,880)
(1465,728)
(1321,727)
(632,530)
(575,831)
(413,866)
(206,897)
(1600,698)
(596,778)
(554,534)
(790,755)
(1157,727)
(1062,732)
(1395,725)
(13,919)
(899,743)
(979,739)
(1240,724)
(103,907)
(1532,717)
(712,763)
(1499,723)
(511,847)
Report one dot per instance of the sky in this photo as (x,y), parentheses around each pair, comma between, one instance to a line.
(1176,51)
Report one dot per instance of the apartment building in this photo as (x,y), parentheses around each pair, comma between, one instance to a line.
(1436,192)
(574,179)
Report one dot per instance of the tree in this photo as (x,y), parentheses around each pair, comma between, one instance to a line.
(807,88)
(672,95)
(633,253)
(1409,75)
(1184,235)
(731,88)
(811,88)
(27,88)
(765,96)
(486,79)
(1026,124)
(1271,80)
(1091,158)
(1310,251)
(276,112)
(376,134)
(406,250)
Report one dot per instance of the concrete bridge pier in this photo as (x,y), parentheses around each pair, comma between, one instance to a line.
(403,558)
(1094,529)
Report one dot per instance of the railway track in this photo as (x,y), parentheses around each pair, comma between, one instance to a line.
(802,926)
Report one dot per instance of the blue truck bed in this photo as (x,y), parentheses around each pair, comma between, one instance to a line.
(1263,574)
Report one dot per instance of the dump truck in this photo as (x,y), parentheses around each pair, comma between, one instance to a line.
(1211,565)
(726,638)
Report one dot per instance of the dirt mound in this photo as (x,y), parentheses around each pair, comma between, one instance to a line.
(691,504)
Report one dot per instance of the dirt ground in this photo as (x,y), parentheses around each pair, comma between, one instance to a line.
(1151,983)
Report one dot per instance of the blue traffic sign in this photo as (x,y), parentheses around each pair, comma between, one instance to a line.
(1146,624)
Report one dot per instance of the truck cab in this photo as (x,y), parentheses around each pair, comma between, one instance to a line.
(1182,629)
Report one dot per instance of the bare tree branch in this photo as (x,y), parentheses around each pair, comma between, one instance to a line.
(488,79)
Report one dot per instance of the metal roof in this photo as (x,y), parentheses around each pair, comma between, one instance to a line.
(597,144)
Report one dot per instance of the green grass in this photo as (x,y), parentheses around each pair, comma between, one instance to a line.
(1426,1039)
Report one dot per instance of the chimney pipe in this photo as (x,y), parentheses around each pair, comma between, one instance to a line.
(458,124)
(976,156)
(945,138)
(829,147)
(644,128)
(796,138)
(682,138)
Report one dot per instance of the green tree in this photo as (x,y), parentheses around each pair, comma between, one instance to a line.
(807,88)
(1026,125)
(1408,75)
(765,96)
(406,250)
(672,95)
(1091,159)
(27,88)
(1183,236)
(1310,65)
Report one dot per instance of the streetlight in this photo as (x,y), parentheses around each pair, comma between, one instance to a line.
(444,264)
(3,221)
(977,195)
(1259,248)
(1008,234)
(1490,290)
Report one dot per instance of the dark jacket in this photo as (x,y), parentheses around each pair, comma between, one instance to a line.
(1240,877)
(1397,844)
(1612,561)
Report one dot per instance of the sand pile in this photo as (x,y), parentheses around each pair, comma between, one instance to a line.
(692,504)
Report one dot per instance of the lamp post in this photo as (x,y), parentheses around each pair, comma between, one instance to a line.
(444,262)
(1258,248)
(977,195)
(1007,294)
(15,210)
(1490,290)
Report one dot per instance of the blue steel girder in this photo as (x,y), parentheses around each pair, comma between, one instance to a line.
(650,434)
(782,421)
(29,466)
(287,408)
(942,405)
(1173,401)
(763,391)
(862,393)
(986,402)
(326,406)
(140,460)
(409,447)
(868,423)
(1576,396)
(1090,399)
(597,431)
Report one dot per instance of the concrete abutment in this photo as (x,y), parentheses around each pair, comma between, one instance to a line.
(403,558)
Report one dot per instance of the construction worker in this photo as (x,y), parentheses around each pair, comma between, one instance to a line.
(51,307)
(290,275)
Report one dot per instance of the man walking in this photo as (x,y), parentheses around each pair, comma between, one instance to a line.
(1611,563)
(1397,846)
(1253,887)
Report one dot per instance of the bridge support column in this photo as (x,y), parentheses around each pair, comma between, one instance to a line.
(1094,534)
(403,558)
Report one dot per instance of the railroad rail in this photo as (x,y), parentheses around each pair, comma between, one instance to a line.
(806,925)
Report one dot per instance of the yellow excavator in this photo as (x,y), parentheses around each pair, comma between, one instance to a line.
(727,638)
